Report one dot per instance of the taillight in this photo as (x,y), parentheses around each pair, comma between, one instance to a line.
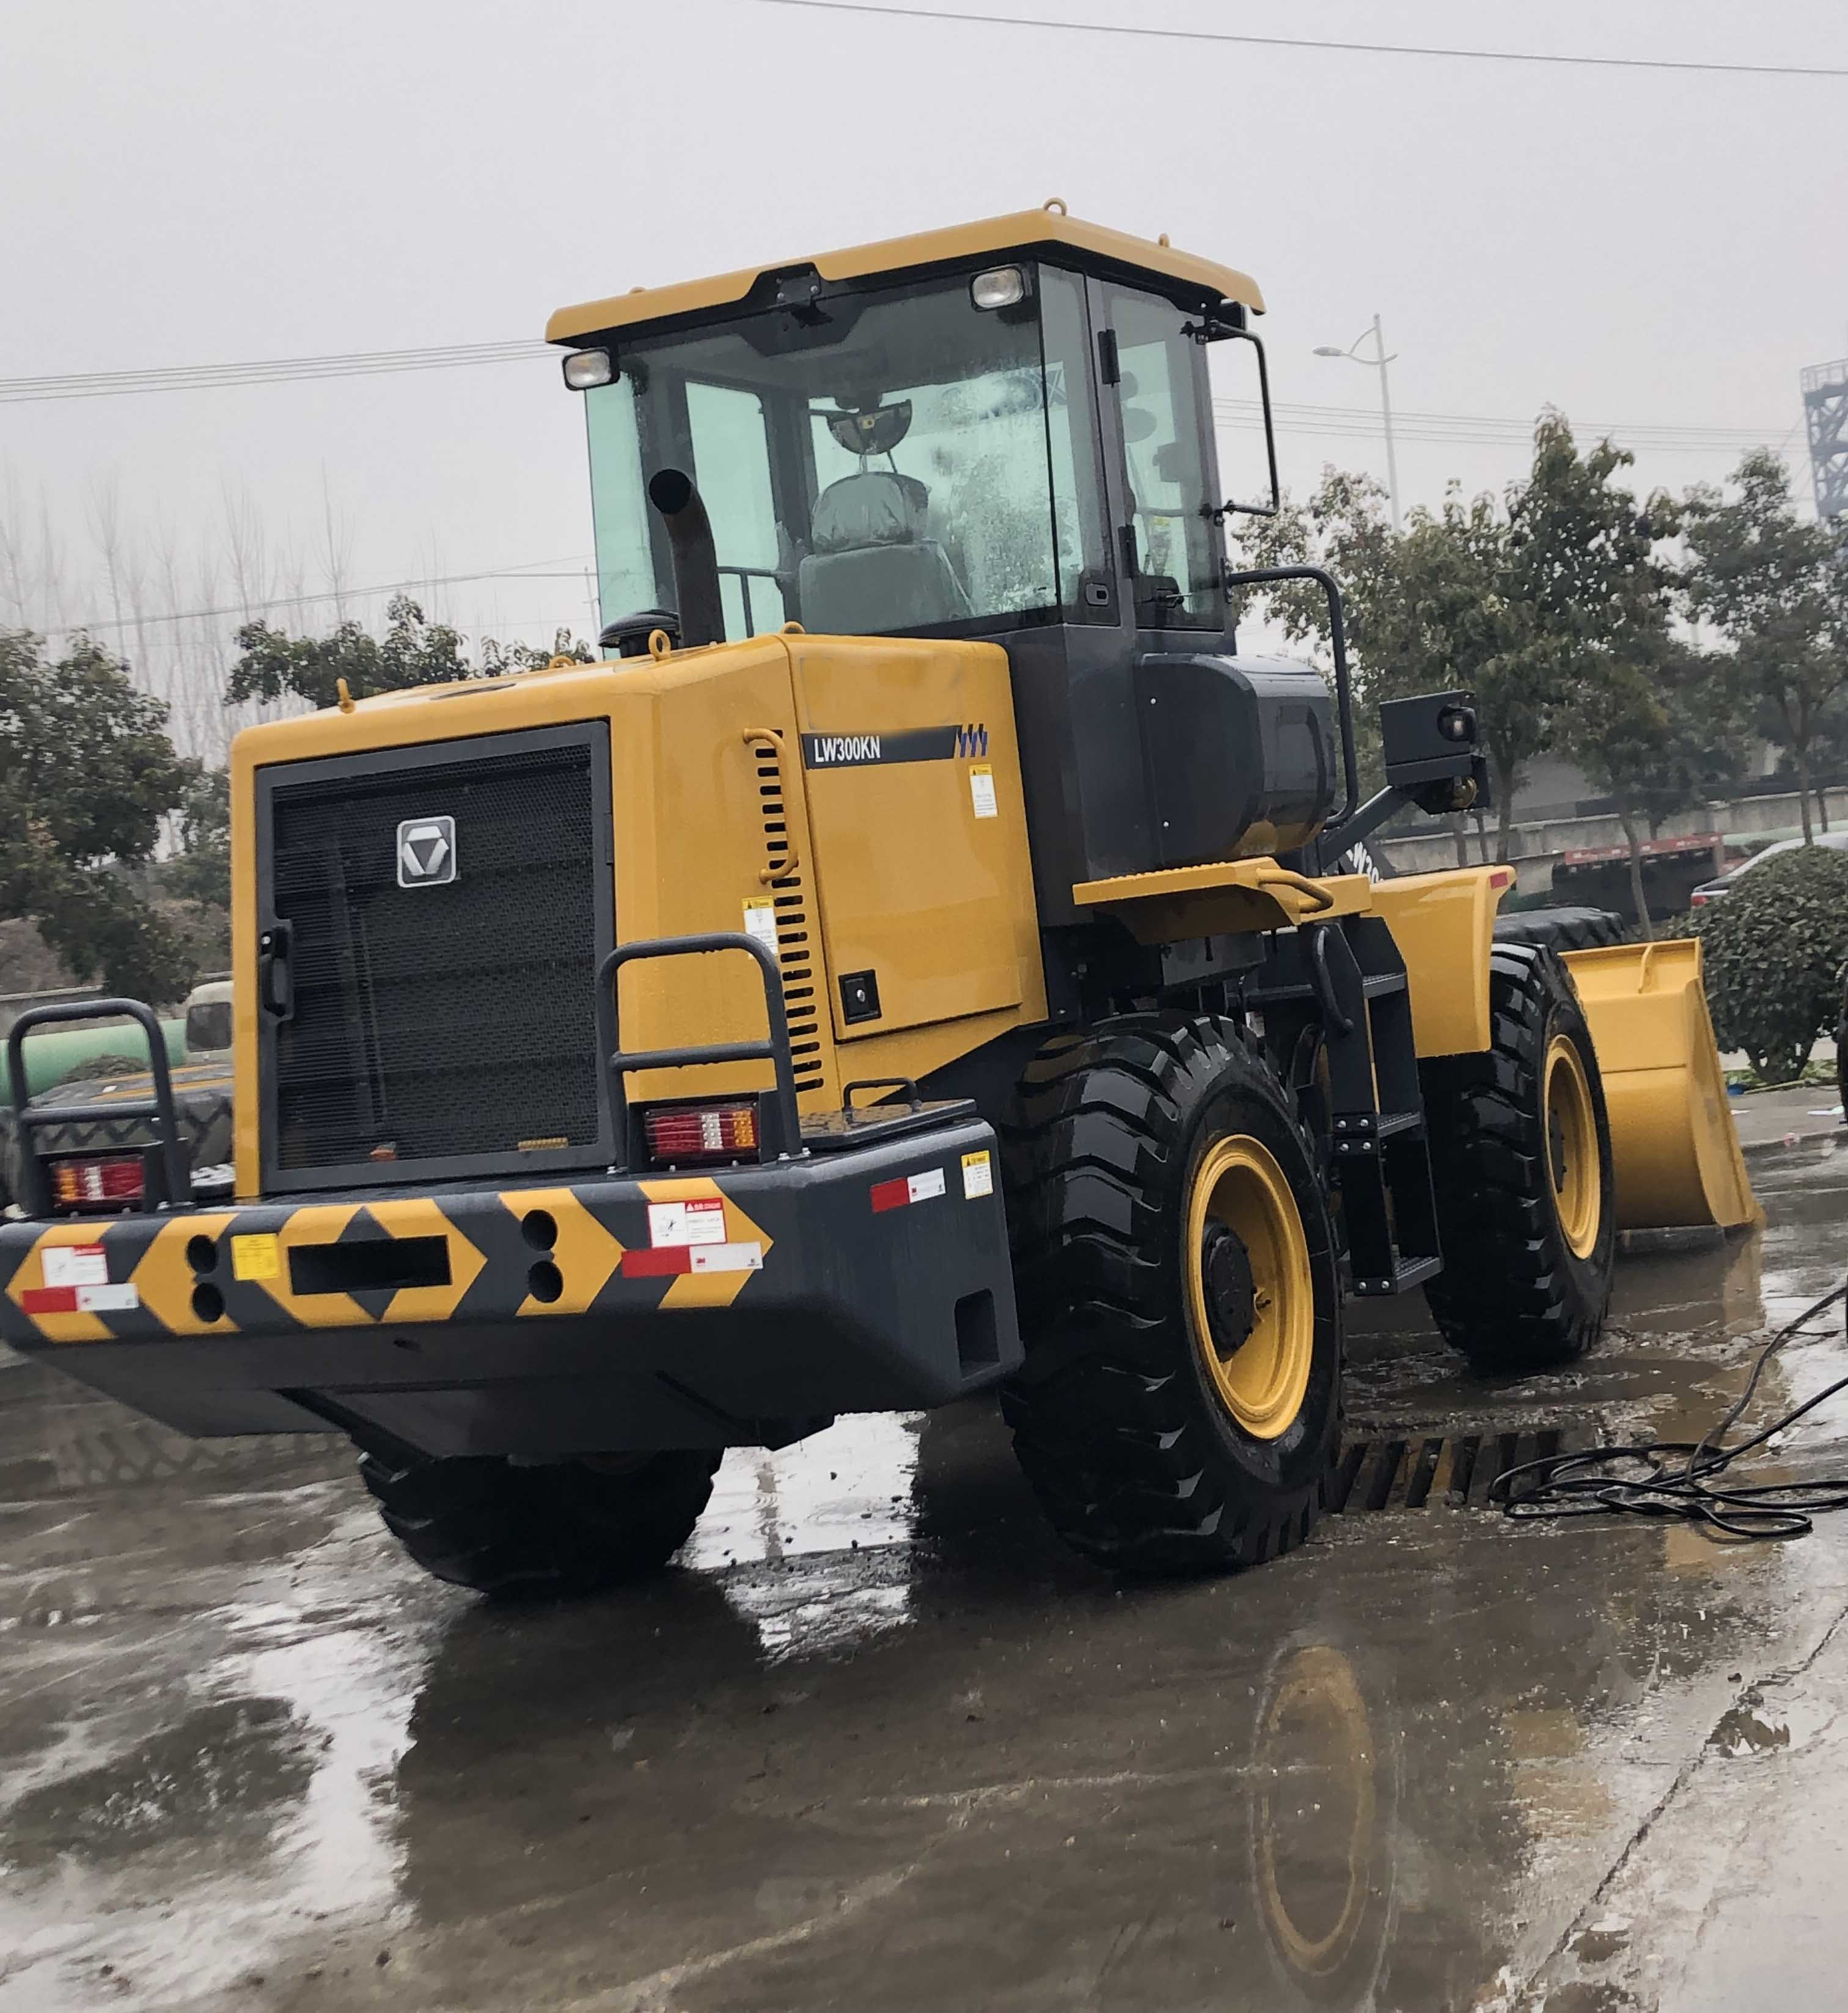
(701,1132)
(98,1181)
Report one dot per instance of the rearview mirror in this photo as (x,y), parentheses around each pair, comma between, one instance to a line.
(1241,383)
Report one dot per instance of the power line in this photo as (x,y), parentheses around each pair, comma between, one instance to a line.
(276,370)
(1479,429)
(1308,42)
(244,610)
(1303,418)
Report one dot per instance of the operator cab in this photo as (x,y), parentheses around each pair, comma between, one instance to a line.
(1002,432)
(933,456)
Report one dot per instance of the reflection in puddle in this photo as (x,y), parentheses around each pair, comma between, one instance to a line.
(179,1862)
(848,1489)
(1323,1803)
(357,1705)
(815,1541)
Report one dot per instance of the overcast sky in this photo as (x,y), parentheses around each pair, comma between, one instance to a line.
(202,182)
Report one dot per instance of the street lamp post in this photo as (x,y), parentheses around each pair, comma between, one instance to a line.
(1378,362)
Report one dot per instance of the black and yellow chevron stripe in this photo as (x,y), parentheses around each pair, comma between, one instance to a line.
(568,1241)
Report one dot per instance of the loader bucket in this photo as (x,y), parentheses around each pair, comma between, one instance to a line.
(1673,1148)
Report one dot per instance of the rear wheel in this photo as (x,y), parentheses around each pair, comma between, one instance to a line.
(1179,1407)
(1521,1161)
(567,1526)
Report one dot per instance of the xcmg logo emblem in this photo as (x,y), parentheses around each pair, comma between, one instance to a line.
(971,742)
(427,852)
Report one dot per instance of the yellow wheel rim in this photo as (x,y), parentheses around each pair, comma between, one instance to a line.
(1571,1128)
(1261,1375)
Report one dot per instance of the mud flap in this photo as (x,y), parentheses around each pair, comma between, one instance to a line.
(1673,1142)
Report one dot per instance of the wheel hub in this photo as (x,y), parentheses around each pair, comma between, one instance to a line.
(1231,1293)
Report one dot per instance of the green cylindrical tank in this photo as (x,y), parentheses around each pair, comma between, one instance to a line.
(54,1054)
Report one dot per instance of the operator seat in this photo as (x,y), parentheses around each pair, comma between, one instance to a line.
(870,568)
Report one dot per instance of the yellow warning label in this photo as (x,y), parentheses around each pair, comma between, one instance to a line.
(981,790)
(256,1257)
(978,1176)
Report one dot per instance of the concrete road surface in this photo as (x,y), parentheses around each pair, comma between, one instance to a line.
(879,1743)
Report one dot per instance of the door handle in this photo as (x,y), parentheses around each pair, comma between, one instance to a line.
(276,980)
(775,870)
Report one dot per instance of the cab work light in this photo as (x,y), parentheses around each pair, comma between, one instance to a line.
(586,369)
(701,1132)
(1000,287)
(98,1181)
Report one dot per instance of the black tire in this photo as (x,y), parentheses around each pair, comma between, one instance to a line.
(1515,1296)
(1562,929)
(568,1527)
(1137,1460)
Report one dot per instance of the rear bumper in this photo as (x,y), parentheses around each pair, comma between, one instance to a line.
(600,1315)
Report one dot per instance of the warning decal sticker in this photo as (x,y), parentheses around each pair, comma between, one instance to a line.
(256,1257)
(760,919)
(76,1265)
(702,1221)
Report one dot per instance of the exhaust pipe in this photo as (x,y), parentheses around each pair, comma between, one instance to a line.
(695,557)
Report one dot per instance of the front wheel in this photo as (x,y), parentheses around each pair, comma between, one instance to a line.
(1179,1409)
(558,1528)
(1521,1163)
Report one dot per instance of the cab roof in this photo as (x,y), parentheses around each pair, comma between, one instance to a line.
(1025,232)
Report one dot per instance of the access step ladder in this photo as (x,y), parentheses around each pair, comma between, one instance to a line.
(1339,988)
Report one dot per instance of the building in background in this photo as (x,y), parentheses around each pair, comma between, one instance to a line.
(1825,414)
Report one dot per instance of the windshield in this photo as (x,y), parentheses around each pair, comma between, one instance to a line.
(898,460)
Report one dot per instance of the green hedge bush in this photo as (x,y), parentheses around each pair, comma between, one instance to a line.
(1774,948)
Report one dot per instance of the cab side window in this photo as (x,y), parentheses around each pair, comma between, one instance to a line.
(1176,583)
(731,465)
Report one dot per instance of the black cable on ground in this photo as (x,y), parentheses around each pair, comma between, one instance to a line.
(1682,1479)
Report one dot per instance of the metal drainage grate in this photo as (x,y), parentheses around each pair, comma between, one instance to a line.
(1383,1472)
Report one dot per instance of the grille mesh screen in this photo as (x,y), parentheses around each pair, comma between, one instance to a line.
(436,1022)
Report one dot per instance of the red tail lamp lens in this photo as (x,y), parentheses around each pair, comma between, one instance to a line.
(101,1180)
(701,1132)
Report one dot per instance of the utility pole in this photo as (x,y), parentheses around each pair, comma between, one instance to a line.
(1378,361)
(1379,346)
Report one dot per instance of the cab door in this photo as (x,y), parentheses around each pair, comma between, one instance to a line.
(1157,407)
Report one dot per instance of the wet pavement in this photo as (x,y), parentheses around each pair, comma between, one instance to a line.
(880,1743)
(1770,1119)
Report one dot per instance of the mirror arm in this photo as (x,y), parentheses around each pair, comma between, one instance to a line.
(1217,331)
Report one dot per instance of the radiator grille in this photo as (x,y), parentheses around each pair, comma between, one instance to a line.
(439,1023)
(795,951)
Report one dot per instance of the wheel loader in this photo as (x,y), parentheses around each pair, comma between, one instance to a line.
(926,955)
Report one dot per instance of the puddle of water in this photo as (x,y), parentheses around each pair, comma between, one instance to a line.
(1762,1724)
(849,1489)
(815,1544)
